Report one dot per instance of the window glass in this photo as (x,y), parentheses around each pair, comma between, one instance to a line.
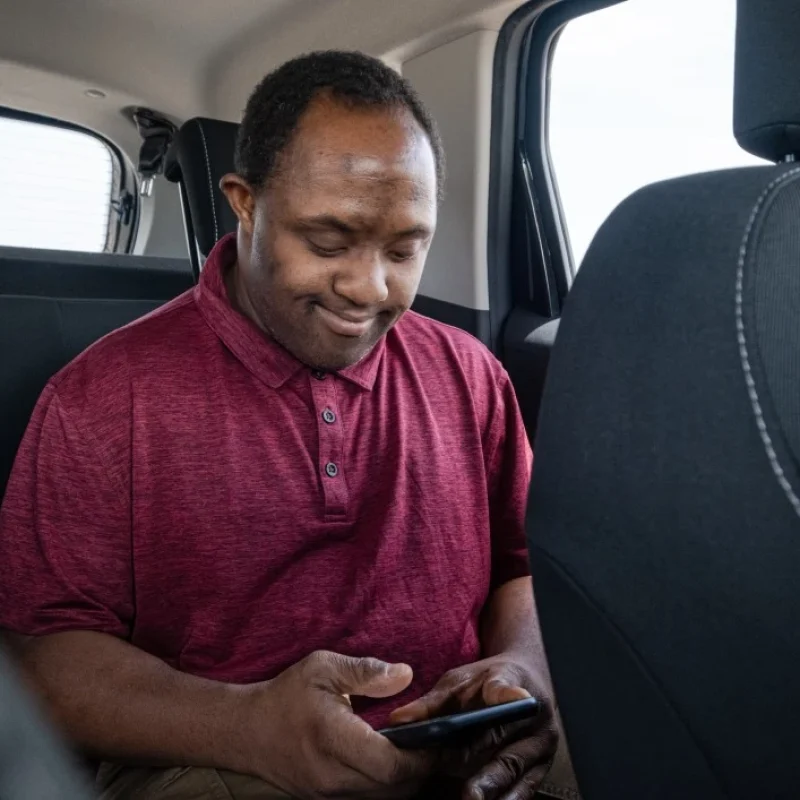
(640,92)
(55,187)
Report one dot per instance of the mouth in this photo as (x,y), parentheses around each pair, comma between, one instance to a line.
(343,324)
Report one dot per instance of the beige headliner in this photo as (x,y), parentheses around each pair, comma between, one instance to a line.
(189,57)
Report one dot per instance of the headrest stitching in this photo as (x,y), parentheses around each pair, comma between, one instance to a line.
(210,181)
(743,346)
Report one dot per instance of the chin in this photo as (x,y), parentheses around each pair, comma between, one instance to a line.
(335,360)
(333,363)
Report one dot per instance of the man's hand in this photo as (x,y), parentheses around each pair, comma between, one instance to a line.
(509,762)
(306,740)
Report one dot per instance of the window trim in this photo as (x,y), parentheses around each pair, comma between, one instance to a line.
(124,179)
(529,254)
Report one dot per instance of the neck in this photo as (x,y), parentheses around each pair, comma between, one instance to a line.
(238,297)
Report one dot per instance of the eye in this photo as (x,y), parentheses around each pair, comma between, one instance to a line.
(404,253)
(328,251)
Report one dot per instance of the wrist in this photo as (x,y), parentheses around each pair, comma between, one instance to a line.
(245,715)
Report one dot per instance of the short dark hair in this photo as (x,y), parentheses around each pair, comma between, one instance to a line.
(279,101)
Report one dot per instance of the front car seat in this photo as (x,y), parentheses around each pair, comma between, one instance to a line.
(664,517)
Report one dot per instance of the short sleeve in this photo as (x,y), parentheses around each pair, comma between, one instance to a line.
(65,532)
(508,466)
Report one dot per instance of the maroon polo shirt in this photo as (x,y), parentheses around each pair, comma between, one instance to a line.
(188,486)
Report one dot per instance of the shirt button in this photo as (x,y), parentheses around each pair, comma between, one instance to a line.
(329,416)
(319,374)
(331,469)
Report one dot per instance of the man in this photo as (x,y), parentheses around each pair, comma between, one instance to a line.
(283,510)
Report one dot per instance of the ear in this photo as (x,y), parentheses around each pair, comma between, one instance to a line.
(241,198)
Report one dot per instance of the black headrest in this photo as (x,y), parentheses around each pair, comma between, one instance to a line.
(201,153)
(664,512)
(767,96)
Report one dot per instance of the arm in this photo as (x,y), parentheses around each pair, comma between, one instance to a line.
(66,582)
(511,628)
(296,731)
(514,759)
(117,702)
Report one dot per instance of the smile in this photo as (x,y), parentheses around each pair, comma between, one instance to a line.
(351,325)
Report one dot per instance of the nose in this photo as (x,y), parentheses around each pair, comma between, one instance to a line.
(362,281)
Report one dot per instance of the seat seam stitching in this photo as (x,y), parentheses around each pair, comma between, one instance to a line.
(210,180)
(744,350)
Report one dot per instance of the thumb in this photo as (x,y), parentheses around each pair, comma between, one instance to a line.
(368,677)
(500,689)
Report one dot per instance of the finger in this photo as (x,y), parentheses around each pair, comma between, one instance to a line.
(465,761)
(426,707)
(499,690)
(368,677)
(352,742)
(350,783)
(452,693)
(526,788)
(503,684)
(508,768)
(378,759)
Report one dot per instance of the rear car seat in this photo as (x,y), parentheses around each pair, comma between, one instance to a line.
(200,154)
(52,306)
(56,273)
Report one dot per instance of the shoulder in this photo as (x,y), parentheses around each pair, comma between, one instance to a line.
(101,376)
(434,346)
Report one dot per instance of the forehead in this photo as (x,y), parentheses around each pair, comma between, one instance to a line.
(375,154)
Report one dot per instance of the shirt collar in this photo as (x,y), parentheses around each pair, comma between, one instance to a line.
(264,357)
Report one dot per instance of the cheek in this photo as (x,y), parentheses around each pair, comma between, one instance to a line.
(404,283)
(296,270)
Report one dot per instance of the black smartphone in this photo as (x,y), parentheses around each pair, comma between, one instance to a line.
(459,728)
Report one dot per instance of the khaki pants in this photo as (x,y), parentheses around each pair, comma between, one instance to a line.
(199,783)
(196,783)
(116,782)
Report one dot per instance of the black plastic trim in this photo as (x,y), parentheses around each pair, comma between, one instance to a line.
(471,320)
(507,284)
(528,254)
(535,134)
(40,273)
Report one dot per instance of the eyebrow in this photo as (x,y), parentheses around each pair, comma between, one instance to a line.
(330,221)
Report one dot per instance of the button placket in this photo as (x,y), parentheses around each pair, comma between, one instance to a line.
(331,450)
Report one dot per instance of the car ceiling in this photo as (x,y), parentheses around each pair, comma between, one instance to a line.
(199,57)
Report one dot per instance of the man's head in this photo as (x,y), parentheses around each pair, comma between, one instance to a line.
(339,172)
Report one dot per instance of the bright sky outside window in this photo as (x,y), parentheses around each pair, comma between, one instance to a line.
(640,92)
(55,187)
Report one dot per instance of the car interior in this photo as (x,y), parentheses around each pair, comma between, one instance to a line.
(621,228)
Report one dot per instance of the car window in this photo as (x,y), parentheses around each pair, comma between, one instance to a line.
(55,187)
(639,92)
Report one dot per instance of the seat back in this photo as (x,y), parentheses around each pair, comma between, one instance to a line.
(52,306)
(664,516)
(55,273)
(201,153)
(38,336)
